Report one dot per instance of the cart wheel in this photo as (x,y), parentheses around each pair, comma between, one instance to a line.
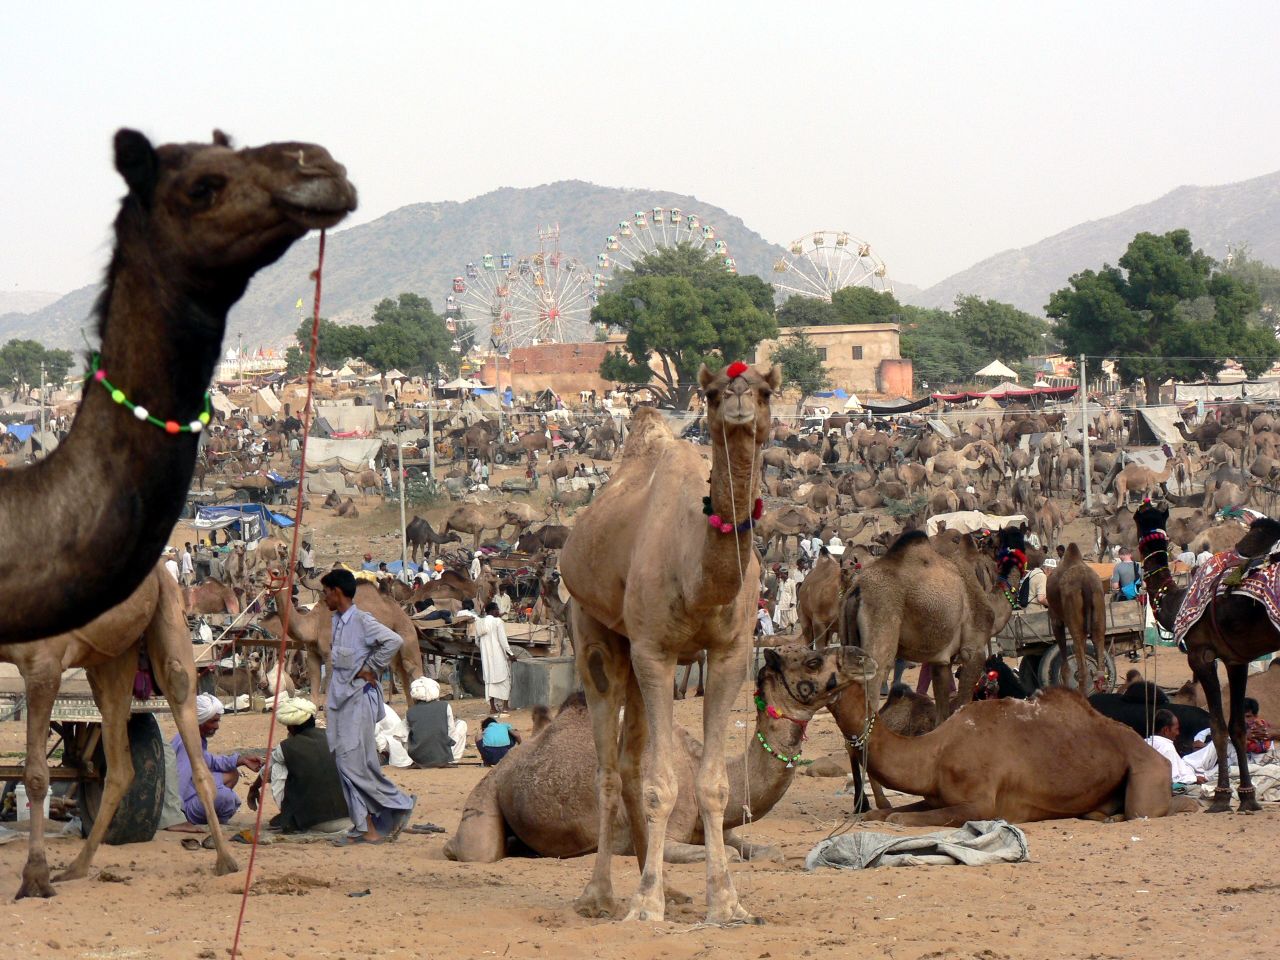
(499,457)
(1029,672)
(468,677)
(138,816)
(1051,671)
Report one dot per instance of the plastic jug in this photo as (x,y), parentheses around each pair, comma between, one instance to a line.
(23,807)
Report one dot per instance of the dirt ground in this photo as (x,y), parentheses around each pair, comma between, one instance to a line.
(1140,889)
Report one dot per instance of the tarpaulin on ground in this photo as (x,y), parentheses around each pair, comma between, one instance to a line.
(350,454)
(1155,425)
(978,843)
(346,420)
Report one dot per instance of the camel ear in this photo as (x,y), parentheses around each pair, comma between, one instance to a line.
(705,377)
(772,660)
(220,139)
(773,378)
(137,162)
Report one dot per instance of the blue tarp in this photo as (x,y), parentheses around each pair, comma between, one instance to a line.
(22,431)
(837,392)
(264,515)
(280,481)
(391,567)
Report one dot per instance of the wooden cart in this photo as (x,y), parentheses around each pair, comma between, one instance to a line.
(1028,635)
(455,646)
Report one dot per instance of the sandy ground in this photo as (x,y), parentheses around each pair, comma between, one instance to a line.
(1141,889)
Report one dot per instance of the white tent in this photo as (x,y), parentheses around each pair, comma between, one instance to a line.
(346,372)
(345,419)
(221,402)
(996,369)
(265,403)
(351,454)
(462,384)
(852,403)
(394,374)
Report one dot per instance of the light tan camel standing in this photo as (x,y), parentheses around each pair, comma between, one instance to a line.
(1077,605)
(818,601)
(151,620)
(474,519)
(314,631)
(543,792)
(654,582)
(198,221)
(1050,757)
(1140,480)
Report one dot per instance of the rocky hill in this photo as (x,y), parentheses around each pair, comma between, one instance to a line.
(420,248)
(1218,218)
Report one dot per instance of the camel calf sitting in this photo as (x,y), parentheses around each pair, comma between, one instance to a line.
(544,793)
(1046,758)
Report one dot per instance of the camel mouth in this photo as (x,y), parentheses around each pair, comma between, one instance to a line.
(318,202)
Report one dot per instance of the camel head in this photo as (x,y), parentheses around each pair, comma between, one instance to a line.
(797,680)
(738,399)
(1150,517)
(209,208)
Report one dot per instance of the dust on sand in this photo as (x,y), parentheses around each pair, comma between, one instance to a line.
(1194,884)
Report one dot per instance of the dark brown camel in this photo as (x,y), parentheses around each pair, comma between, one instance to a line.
(420,535)
(199,220)
(1235,630)
(1077,605)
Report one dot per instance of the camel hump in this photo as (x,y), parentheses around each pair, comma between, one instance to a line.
(648,431)
(1072,554)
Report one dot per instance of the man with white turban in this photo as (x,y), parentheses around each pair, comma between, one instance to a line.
(225,767)
(436,739)
(303,776)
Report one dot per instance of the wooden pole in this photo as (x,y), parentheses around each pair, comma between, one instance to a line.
(1084,426)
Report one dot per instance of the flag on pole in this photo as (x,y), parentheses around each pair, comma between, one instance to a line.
(298,305)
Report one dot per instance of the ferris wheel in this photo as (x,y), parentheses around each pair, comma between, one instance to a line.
(545,297)
(822,262)
(652,230)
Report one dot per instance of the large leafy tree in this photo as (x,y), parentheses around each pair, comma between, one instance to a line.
(997,331)
(1166,311)
(405,333)
(938,356)
(682,309)
(848,305)
(801,363)
(1263,277)
(20,361)
(798,311)
(335,343)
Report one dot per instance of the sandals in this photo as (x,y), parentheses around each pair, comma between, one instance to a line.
(356,841)
(427,828)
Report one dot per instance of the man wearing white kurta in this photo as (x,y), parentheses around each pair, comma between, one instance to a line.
(495,658)
(784,615)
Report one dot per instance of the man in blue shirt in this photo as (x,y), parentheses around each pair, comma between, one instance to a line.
(224,766)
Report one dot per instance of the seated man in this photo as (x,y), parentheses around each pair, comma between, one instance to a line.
(390,735)
(1126,576)
(1033,591)
(496,739)
(1167,731)
(1258,740)
(436,739)
(303,775)
(223,767)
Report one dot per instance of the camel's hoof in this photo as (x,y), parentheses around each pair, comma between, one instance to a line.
(71,873)
(646,914)
(1249,805)
(36,887)
(734,916)
(225,865)
(596,908)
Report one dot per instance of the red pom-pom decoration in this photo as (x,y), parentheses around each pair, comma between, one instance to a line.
(100,375)
(714,520)
(735,369)
(726,528)
(758,510)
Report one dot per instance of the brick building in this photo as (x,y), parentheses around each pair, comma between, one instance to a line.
(565,368)
(861,358)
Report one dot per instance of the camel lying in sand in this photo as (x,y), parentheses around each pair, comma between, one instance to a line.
(544,791)
(1046,758)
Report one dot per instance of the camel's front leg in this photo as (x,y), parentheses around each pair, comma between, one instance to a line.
(658,786)
(601,660)
(41,685)
(1237,676)
(1204,666)
(313,676)
(726,669)
(112,684)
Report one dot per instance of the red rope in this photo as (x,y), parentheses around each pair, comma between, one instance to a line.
(288,583)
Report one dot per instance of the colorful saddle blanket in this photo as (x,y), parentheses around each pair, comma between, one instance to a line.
(1261,584)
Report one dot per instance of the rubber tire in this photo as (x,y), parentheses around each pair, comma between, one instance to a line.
(1029,672)
(138,817)
(499,457)
(1050,670)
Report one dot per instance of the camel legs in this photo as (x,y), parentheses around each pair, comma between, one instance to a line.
(1237,677)
(601,658)
(1204,666)
(313,676)
(169,648)
(41,686)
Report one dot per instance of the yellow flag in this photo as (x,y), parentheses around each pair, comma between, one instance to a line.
(299,303)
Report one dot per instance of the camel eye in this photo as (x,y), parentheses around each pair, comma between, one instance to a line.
(203,190)
(814,665)
(713,396)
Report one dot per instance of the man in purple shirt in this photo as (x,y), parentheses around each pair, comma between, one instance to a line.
(225,801)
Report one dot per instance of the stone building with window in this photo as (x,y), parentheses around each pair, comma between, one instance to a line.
(860,358)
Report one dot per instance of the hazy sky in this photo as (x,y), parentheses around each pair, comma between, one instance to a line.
(941,133)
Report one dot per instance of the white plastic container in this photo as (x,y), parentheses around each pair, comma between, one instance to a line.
(23,806)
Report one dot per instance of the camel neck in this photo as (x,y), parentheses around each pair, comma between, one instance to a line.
(767,777)
(726,557)
(1158,579)
(113,470)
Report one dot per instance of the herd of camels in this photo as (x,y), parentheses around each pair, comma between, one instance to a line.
(661,568)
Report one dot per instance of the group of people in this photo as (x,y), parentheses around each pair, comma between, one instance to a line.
(1201,764)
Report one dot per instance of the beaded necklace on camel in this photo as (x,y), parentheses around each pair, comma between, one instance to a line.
(714,520)
(98,375)
(775,714)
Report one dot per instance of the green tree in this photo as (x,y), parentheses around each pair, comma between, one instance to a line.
(797,311)
(1263,277)
(336,342)
(801,364)
(864,305)
(1166,311)
(407,333)
(938,356)
(696,313)
(998,331)
(295,362)
(20,361)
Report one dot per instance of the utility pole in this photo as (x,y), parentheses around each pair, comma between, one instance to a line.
(1084,427)
(43,448)
(404,538)
(431,430)
(240,355)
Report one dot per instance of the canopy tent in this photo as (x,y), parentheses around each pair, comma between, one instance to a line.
(996,369)
(346,372)
(967,521)
(347,419)
(1156,425)
(264,403)
(463,384)
(852,403)
(1008,391)
(394,374)
(350,454)
(250,521)
(221,403)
